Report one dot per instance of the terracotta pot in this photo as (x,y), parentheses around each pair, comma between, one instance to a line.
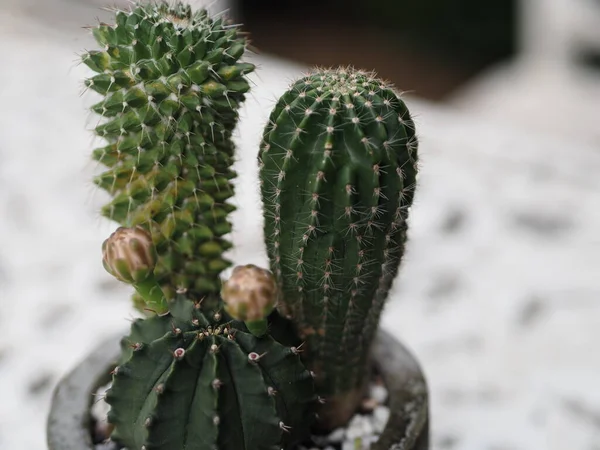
(70,423)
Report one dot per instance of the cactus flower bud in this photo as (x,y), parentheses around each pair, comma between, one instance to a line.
(128,254)
(250,294)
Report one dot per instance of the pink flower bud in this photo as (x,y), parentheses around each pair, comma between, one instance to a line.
(250,294)
(128,254)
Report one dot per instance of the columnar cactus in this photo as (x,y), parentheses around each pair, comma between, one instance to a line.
(172,84)
(338,171)
(190,380)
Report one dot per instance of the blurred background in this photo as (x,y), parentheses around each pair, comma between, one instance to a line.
(499,295)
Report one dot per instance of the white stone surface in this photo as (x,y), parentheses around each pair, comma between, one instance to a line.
(546,88)
(558,29)
(541,96)
(378,393)
(499,294)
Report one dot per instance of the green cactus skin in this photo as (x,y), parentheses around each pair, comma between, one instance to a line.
(338,173)
(172,84)
(195,381)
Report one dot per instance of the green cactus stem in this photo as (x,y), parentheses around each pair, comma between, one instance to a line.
(338,173)
(172,83)
(192,380)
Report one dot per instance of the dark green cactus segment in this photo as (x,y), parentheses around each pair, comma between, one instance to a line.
(172,84)
(338,172)
(197,381)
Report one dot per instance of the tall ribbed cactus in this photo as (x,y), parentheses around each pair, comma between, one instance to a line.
(192,380)
(172,85)
(338,172)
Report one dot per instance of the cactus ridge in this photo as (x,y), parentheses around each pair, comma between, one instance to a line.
(197,381)
(172,84)
(338,171)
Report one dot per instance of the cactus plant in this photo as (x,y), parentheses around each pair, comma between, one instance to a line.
(338,172)
(197,381)
(172,83)
(219,365)
(193,378)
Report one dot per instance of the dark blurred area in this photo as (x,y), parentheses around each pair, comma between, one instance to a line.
(431,47)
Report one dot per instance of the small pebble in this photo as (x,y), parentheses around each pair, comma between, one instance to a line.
(378,393)
(356,427)
(368,405)
(369,440)
(322,441)
(99,412)
(349,445)
(107,446)
(337,435)
(100,408)
(381,415)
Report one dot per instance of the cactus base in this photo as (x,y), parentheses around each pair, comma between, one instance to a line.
(70,422)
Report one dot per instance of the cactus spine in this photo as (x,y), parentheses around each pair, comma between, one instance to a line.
(196,381)
(338,172)
(172,84)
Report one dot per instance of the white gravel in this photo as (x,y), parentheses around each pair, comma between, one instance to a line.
(362,430)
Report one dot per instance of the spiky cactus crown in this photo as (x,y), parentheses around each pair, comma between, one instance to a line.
(338,172)
(172,84)
(193,380)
